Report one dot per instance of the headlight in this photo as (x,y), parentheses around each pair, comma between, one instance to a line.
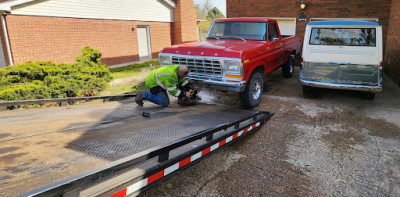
(233,66)
(165,60)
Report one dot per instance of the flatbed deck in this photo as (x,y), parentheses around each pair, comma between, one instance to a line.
(42,146)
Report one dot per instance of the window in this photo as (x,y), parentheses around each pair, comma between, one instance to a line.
(343,37)
(272,31)
(238,30)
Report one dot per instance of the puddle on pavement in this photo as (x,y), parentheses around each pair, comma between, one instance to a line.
(216,97)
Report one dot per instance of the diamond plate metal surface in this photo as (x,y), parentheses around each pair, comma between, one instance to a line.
(117,140)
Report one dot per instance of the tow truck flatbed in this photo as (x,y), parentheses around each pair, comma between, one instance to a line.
(54,148)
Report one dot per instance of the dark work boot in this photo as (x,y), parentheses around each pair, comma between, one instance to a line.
(139,99)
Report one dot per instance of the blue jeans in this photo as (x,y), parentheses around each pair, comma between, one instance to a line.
(160,98)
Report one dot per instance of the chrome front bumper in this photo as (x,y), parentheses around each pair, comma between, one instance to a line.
(220,85)
(364,88)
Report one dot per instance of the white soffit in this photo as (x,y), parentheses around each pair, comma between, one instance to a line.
(6,6)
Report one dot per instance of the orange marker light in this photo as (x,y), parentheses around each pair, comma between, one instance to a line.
(234,76)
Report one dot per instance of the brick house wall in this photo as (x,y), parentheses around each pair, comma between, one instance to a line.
(392,52)
(386,10)
(60,39)
(314,9)
(185,22)
(34,37)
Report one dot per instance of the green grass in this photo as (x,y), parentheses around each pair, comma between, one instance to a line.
(129,78)
(134,66)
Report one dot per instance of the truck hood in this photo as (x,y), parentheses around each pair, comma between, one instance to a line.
(219,48)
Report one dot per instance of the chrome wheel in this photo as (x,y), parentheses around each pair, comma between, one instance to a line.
(256,89)
(291,65)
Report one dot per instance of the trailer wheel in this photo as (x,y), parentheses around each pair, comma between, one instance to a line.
(288,67)
(252,94)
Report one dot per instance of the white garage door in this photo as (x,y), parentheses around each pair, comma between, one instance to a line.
(287,25)
(144,43)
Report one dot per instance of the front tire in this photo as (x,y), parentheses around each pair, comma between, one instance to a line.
(251,96)
(288,67)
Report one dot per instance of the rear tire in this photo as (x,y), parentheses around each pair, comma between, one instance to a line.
(307,90)
(288,67)
(251,96)
(369,95)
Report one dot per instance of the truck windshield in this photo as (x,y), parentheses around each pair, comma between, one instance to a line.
(238,30)
(343,37)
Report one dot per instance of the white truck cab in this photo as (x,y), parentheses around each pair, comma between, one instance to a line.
(342,54)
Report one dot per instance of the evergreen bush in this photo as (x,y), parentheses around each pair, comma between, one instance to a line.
(41,80)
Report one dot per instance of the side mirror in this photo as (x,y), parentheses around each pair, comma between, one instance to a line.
(275,39)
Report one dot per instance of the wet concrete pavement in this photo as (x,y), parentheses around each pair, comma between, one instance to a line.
(334,144)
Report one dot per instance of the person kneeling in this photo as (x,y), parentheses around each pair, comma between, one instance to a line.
(160,81)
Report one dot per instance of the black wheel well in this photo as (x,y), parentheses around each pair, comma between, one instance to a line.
(259,69)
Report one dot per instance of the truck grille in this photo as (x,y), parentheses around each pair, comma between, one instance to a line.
(200,68)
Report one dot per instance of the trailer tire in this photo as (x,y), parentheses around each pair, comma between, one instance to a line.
(288,67)
(251,96)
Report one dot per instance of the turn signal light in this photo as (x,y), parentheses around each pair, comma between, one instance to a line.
(234,76)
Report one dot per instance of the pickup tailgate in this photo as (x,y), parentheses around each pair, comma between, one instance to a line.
(344,65)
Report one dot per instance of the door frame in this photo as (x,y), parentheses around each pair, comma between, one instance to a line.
(148,40)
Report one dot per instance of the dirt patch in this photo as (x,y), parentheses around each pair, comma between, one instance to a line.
(343,129)
(382,128)
(346,128)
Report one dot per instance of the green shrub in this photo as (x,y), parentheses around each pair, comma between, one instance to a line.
(40,80)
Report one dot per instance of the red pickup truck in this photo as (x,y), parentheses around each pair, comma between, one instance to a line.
(236,56)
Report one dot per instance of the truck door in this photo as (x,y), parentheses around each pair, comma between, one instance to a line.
(276,48)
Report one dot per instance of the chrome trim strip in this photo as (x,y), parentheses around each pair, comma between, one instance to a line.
(225,83)
(340,62)
(377,88)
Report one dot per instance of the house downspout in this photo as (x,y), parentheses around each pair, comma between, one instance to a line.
(3,22)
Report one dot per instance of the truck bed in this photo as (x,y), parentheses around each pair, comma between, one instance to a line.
(31,157)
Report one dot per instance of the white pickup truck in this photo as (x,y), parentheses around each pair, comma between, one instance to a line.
(342,54)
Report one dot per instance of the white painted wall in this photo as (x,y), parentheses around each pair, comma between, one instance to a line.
(287,26)
(141,10)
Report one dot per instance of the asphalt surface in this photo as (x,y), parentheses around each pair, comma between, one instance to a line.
(335,143)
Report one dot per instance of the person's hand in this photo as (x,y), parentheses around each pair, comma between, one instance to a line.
(187,94)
